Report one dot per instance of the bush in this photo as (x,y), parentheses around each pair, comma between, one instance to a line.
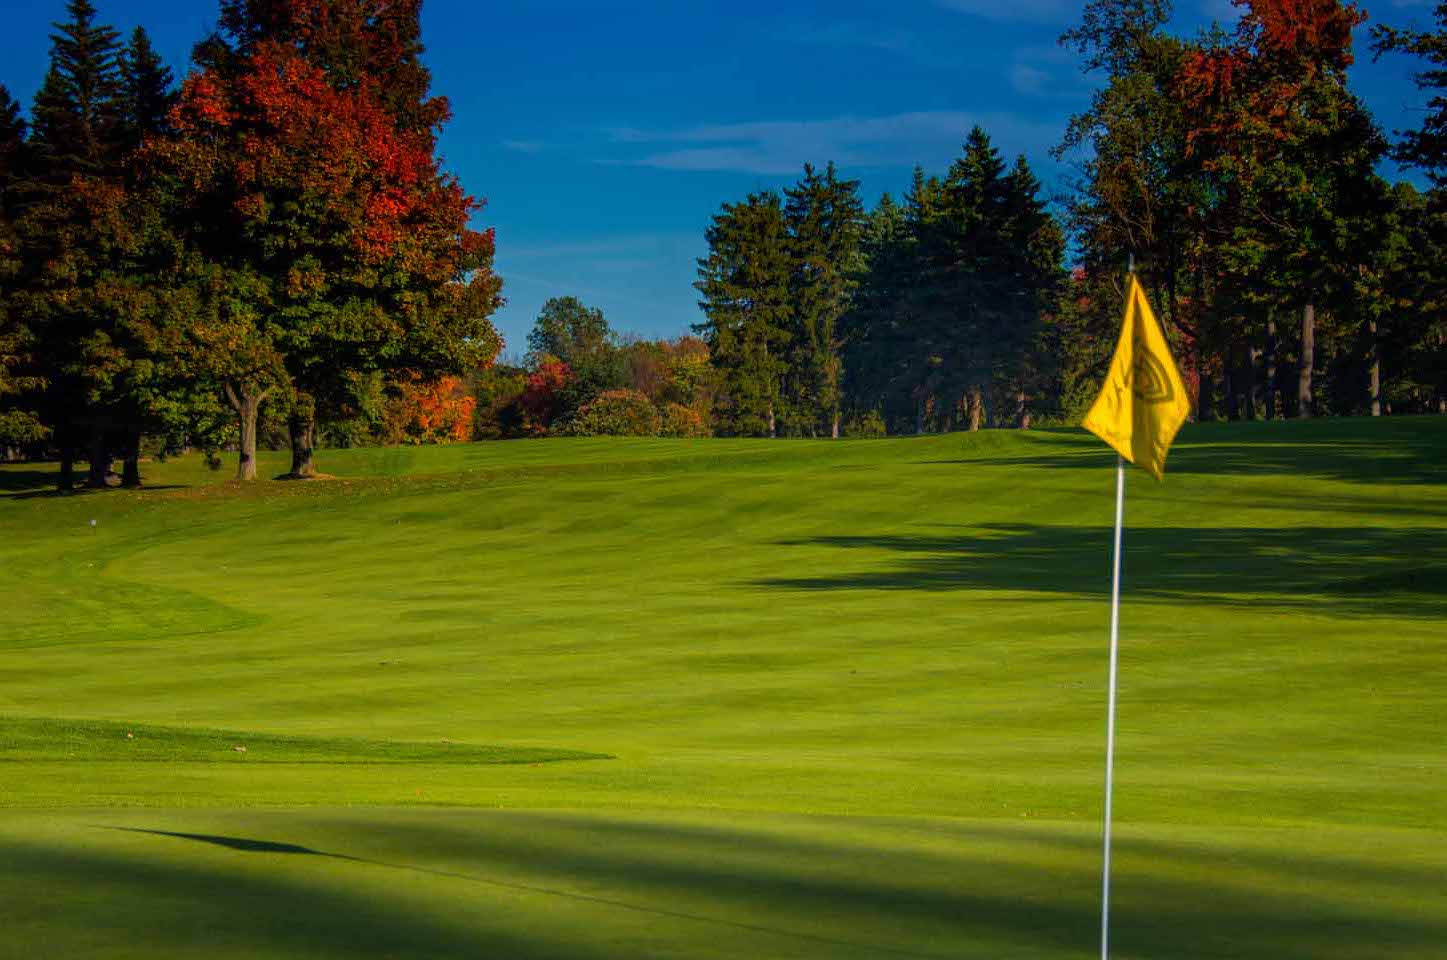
(869,425)
(616,413)
(681,421)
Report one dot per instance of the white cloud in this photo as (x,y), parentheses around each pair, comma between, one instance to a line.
(775,147)
(1030,11)
(525,146)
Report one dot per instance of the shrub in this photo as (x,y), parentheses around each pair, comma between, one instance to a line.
(869,425)
(616,413)
(681,421)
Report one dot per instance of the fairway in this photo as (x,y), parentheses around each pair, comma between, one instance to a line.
(613,698)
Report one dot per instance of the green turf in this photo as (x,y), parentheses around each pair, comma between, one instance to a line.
(851,695)
(27,738)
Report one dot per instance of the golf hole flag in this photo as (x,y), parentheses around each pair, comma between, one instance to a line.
(1143,402)
(1141,406)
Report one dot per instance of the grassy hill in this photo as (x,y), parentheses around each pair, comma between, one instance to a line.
(605,698)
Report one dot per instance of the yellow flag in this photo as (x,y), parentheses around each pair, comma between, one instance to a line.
(1143,402)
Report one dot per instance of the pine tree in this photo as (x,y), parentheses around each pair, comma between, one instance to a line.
(968,276)
(1034,252)
(147,90)
(19,423)
(76,121)
(921,323)
(12,137)
(824,217)
(745,286)
(874,346)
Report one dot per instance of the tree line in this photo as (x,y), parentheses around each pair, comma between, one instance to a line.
(1236,169)
(270,253)
(272,242)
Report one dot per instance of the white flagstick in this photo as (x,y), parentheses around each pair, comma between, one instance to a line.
(1110,721)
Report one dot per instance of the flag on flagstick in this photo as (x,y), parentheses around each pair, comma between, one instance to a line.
(1143,402)
(1141,406)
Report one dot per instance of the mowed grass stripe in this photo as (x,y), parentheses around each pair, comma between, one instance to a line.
(42,739)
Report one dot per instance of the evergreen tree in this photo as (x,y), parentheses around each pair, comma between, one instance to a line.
(71,235)
(824,218)
(1034,249)
(745,286)
(875,345)
(19,422)
(920,324)
(76,121)
(12,138)
(147,89)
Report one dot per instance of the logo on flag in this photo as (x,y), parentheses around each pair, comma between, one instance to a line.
(1143,402)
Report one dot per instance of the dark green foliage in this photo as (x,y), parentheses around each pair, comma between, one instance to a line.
(745,283)
(1425,147)
(825,223)
(147,89)
(77,120)
(580,337)
(949,320)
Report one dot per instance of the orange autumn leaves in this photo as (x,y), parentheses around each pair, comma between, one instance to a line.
(438,411)
(1250,85)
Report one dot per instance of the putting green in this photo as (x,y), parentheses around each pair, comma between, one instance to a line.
(601,698)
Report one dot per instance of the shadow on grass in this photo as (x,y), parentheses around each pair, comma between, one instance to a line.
(1351,569)
(40,485)
(973,892)
(235,843)
(1389,450)
(247,845)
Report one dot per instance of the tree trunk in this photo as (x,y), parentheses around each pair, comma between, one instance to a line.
(100,456)
(302,426)
(1022,410)
(773,424)
(919,417)
(131,471)
(1203,392)
(977,409)
(1228,385)
(1308,360)
(248,407)
(834,427)
(1374,372)
(66,482)
(1253,386)
(1270,360)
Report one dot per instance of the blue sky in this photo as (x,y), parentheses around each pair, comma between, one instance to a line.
(605,134)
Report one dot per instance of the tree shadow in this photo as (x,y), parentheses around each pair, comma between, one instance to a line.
(30,484)
(1356,569)
(169,908)
(1389,450)
(972,892)
(243,844)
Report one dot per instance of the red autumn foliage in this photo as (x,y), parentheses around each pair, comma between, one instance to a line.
(541,400)
(439,411)
(1280,47)
(281,128)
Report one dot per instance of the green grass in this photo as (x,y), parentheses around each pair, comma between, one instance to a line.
(27,738)
(851,697)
